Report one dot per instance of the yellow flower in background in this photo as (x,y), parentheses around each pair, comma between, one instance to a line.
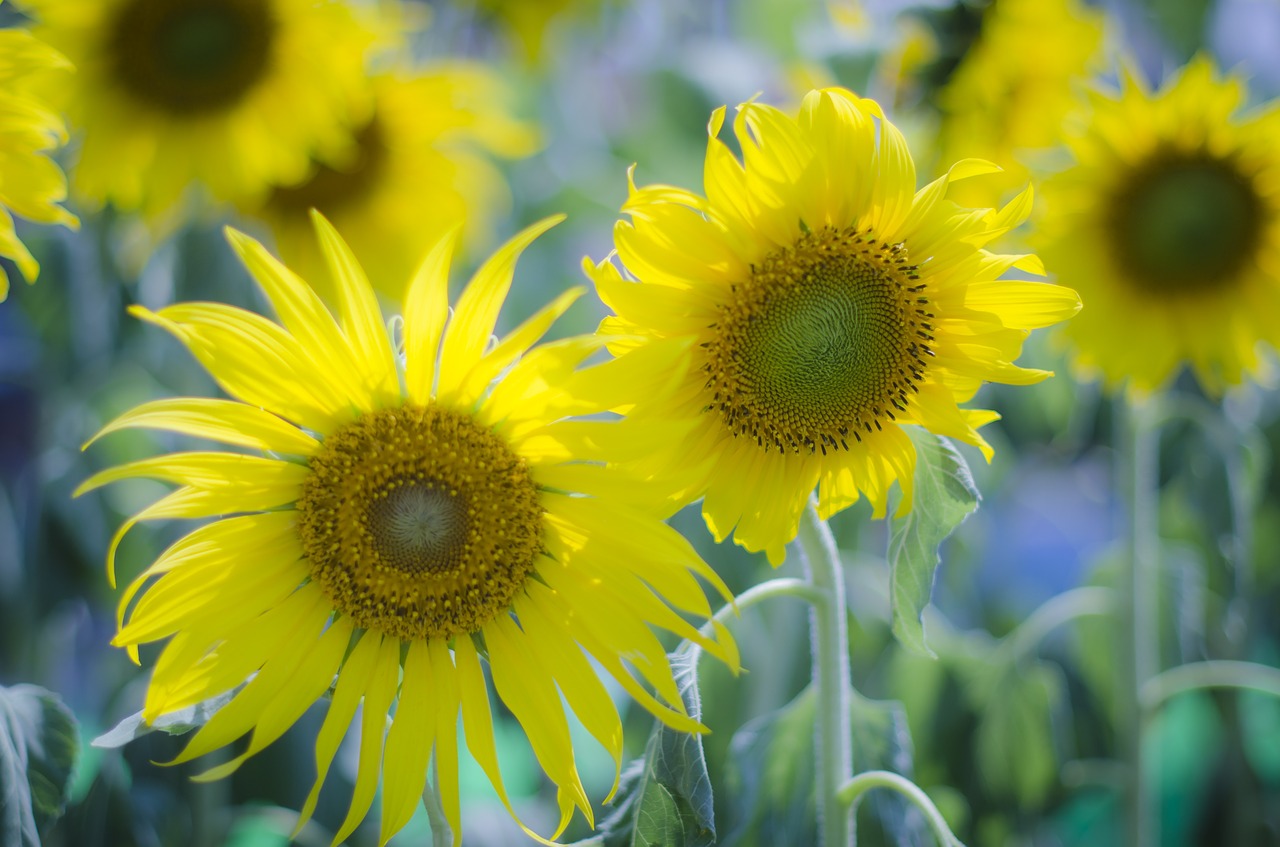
(31,184)
(235,95)
(413,513)
(828,303)
(1015,85)
(529,21)
(1169,225)
(420,164)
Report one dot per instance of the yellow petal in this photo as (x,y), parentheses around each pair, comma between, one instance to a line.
(426,308)
(218,420)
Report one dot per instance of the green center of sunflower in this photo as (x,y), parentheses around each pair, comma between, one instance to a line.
(419,523)
(331,186)
(191,56)
(822,342)
(1186,223)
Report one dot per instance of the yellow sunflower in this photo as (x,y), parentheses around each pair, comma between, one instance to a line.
(1169,224)
(31,184)
(419,164)
(828,303)
(414,512)
(232,94)
(1010,93)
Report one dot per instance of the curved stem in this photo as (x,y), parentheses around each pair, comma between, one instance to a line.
(780,587)
(830,646)
(1210,674)
(1064,608)
(851,793)
(441,832)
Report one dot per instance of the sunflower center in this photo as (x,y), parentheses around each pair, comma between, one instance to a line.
(191,56)
(419,523)
(332,187)
(822,342)
(1185,224)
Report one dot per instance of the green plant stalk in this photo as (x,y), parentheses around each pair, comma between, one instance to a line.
(851,793)
(833,742)
(1142,594)
(441,832)
(1216,673)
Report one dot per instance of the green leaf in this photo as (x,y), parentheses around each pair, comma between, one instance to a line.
(1015,739)
(664,798)
(771,772)
(38,748)
(944,496)
(174,723)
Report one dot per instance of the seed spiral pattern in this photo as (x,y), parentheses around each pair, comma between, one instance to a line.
(191,56)
(419,523)
(824,341)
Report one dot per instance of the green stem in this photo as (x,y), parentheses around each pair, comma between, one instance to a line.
(441,833)
(780,587)
(1063,608)
(1209,674)
(851,793)
(830,646)
(1143,590)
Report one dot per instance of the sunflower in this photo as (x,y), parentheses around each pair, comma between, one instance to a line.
(418,164)
(828,303)
(413,513)
(31,184)
(232,94)
(1169,224)
(1007,98)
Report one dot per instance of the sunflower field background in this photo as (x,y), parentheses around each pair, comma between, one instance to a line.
(1060,631)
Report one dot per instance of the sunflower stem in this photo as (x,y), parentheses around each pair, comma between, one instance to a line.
(1143,591)
(441,833)
(1215,673)
(833,742)
(851,794)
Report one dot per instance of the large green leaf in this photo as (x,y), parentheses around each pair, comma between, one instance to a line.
(664,799)
(771,772)
(38,748)
(174,723)
(944,496)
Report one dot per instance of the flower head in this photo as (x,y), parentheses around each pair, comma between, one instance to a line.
(398,520)
(231,94)
(828,303)
(1169,224)
(31,184)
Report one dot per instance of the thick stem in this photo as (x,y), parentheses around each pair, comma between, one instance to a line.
(851,793)
(1143,593)
(833,743)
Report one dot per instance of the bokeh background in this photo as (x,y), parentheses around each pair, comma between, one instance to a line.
(1017,748)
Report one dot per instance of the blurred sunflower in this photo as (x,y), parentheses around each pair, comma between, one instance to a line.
(413,514)
(528,21)
(1014,86)
(829,303)
(31,184)
(232,94)
(419,163)
(1169,224)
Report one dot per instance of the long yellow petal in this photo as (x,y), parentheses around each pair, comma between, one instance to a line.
(446,703)
(409,742)
(361,318)
(226,421)
(426,309)
(468,333)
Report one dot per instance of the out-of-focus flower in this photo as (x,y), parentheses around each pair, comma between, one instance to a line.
(828,303)
(420,163)
(1015,85)
(235,95)
(31,184)
(1169,225)
(412,515)
(528,21)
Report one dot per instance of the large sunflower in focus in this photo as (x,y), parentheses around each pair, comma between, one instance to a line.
(1169,225)
(31,184)
(407,515)
(420,163)
(1014,86)
(828,304)
(232,94)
